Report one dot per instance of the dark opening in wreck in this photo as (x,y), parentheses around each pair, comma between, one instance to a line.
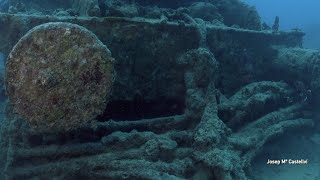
(142,109)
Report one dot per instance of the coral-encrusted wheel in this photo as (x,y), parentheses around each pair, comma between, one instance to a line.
(59,76)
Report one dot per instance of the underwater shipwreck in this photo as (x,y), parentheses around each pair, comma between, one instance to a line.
(193,89)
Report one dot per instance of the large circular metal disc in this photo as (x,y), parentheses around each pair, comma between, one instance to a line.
(59,76)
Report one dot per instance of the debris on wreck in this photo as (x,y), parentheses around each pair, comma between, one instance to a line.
(198,94)
(275,26)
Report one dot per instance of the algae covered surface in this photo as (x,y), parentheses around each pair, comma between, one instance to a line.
(200,90)
(58,76)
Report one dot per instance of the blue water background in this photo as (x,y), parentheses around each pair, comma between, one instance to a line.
(293,14)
